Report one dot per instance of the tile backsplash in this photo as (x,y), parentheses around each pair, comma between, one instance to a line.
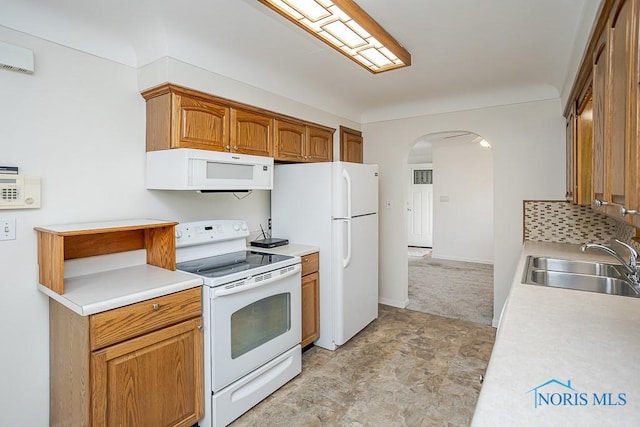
(563,222)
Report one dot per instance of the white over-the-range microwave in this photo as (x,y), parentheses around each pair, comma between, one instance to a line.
(190,169)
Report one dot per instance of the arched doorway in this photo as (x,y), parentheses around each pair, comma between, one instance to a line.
(450,205)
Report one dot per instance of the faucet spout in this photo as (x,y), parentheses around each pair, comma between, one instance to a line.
(631,265)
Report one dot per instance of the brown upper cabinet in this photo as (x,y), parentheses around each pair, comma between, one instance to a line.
(289,141)
(600,73)
(621,103)
(178,117)
(579,149)
(319,146)
(251,133)
(350,145)
(583,158)
(295,142)
(571,142)
(611,64)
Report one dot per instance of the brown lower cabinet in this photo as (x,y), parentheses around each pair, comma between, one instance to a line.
(138,365)
(310,299)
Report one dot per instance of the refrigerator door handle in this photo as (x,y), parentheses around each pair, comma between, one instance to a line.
(347,259)
(347,180)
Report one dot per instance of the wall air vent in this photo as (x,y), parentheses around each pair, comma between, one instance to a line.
(16,58)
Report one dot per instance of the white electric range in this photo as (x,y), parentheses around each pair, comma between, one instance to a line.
(251,310)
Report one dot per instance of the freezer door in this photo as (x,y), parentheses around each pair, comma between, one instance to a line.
(355,189)
(356,275)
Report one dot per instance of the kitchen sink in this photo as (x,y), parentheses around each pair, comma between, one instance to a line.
(578,267)
(578,275)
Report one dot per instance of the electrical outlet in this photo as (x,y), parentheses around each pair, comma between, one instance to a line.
(7,229)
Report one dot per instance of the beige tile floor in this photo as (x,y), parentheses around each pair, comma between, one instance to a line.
(405,369)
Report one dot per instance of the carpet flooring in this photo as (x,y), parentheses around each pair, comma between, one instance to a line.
(405,369)
(455,289)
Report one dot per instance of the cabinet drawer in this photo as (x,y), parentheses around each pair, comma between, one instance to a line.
(122,323)
(310,263)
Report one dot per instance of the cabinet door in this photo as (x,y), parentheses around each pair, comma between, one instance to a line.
(154,380)
(350,145)
(600,73)
(583,150)
(319,146)
(620,106)
(251,133)
(199,124)
(570,132)
(310,309)
(289,141)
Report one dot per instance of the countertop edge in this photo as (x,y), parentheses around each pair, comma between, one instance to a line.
(129,294)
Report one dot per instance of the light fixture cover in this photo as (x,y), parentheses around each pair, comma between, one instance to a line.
(343,25)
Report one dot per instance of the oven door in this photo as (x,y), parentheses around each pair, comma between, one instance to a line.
(253,323)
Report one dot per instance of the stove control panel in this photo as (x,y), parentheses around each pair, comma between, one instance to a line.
(210,231)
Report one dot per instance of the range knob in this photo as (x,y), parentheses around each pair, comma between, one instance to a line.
(244,226)
(178,234)
(236,227)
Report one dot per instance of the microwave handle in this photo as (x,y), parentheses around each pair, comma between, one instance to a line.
(237,289)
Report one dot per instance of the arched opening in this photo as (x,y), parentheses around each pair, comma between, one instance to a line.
(450,226)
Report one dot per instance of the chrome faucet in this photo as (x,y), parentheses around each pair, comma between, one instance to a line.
(631,266)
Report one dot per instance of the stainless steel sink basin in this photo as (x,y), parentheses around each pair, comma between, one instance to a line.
(578,267)
(578,275)
(583,282)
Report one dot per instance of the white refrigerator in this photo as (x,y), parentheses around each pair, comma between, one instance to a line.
(334,206)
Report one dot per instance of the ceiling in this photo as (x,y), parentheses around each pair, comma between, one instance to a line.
(465,53)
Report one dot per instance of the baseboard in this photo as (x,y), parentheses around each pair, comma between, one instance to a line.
(435,255)
(394,302)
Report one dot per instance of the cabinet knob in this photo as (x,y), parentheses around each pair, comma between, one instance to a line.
(155,307)
(624,211)
(235,147)
(228,147)
(307,260)
(200,327)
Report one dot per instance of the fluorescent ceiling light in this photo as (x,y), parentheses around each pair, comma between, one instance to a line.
(343,25)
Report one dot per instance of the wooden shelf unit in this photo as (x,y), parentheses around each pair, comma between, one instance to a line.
(59,243)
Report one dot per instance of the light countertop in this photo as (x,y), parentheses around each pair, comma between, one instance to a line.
(292,249)
(561,356)
(79,228)
(105,290)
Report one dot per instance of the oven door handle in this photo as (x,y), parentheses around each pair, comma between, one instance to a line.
(237,289)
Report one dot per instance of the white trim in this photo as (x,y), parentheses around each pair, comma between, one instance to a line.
(477,261)
(394,302)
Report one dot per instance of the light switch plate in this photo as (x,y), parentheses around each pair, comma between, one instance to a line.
(7,229)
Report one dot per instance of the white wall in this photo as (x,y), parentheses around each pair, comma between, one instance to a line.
(79,123)
(528,163)
(462,202)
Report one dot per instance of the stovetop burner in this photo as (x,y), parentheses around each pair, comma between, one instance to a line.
(226,264)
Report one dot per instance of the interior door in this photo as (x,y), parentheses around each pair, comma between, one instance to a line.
(420,206)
